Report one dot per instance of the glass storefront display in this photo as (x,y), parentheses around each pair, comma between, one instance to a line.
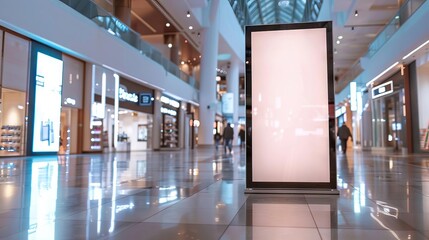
(170,123)
(388,112)
(132,107)
(422,70)
(13,105)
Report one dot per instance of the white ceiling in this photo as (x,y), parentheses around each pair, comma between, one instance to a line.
(357,31)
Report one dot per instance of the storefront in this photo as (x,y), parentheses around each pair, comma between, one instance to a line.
(133,109)
(42,85)
(72,103)
(14,67)
(170,109)
(420,98)
(389,114)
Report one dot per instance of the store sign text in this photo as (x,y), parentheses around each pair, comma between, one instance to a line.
(170,102)
(168,111)
(70,101)
(126,96)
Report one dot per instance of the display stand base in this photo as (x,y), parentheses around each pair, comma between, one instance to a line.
(292,191)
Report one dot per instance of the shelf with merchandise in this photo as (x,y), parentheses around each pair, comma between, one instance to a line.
(10,138)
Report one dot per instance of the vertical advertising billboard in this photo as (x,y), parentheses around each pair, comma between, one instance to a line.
(45,100)
(289,108)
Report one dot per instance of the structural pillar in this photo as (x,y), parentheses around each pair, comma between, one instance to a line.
(122,10)
(232,86)
(208,102)
(157,120)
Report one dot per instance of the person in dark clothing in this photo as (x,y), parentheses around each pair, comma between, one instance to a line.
(228,136)
(242,136)
(344,134)
(217,137)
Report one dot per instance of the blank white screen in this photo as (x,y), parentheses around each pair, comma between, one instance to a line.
(290,128)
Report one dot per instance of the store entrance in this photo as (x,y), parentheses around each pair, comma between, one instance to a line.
(394,124)
(389,125)
(69,131)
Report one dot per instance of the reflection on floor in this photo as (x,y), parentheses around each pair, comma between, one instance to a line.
(199,194)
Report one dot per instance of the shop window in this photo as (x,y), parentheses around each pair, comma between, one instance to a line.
(13,107)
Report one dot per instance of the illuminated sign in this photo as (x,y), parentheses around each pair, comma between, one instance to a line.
(124,95)
(70,101)
(382,89)
(168,111)
(170,102)
(47,107)
(353,99)
(145,99)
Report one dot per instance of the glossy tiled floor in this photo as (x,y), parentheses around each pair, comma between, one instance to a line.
(200,195)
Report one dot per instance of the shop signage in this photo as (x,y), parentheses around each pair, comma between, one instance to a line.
(70,101)
(170,102)
(124,95)
(382,89)
(168,111)
(228,103)
(145,99)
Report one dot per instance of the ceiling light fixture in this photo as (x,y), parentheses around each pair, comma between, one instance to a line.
(190,27)
(338,42)
(356,13)
(170,45)
(283,3)
(188,14)
(168,24)
(415,50)
(340,37)
(381,74)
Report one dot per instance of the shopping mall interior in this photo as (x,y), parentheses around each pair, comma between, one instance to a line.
(109,111)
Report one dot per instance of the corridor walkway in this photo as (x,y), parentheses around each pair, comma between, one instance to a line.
(199,194)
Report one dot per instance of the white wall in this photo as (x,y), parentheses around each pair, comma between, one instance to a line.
(411,35)
(230,30)
(80,37)
(423,96)
(12,115)
(129,124)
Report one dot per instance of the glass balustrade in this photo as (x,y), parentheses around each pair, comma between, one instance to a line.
(404,13)
(115,27)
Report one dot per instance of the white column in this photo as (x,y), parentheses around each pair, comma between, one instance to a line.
(181,119)
(157,120)
(232,81)
(116,112)
(208,74)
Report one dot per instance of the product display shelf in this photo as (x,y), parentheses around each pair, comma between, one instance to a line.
(97,135)
(170,135)
(10,138)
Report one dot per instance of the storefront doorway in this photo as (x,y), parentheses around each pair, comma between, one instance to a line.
(389,128)
(69,131)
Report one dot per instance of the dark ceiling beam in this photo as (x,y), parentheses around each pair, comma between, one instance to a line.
(294,11)
(277,13)
(258,3)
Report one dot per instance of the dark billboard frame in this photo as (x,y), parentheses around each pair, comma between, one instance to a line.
(311,187)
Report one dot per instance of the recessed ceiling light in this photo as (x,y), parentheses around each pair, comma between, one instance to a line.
(186,41)
(170,45)
(190,27)
(340,37)
(283,3)
(168,24)
(356,13)
(188,14)
(338,42)
(182,62)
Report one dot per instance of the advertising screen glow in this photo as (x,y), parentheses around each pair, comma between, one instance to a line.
(290,118)
(47,104)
